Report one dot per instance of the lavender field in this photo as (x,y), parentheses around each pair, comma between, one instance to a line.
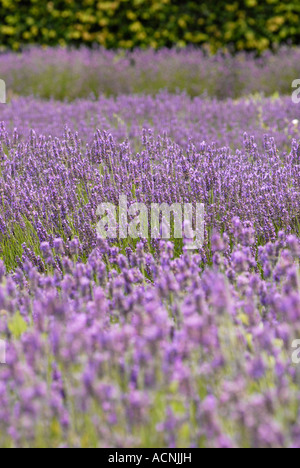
(143,343)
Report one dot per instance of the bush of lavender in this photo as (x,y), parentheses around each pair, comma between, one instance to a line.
(70,74)
(181,118)
(143,344)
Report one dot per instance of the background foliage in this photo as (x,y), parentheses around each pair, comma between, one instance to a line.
(243,24)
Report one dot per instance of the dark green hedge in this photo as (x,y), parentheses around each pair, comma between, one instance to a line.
(241,24)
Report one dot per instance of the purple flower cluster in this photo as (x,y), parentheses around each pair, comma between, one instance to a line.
(144,343)
(183,119)
(50,188)
(138,350)
(139,345)
(70,74)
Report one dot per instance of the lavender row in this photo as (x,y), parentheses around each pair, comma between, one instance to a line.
(97,356)
(179,117)
(71,74)
(52,187)
(143,344)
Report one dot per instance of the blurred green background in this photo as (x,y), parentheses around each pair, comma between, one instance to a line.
(240,25)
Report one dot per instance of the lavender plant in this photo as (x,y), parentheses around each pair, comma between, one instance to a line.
(141,343)
(97,357)
(146,345)
(66,74)
(181,118)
